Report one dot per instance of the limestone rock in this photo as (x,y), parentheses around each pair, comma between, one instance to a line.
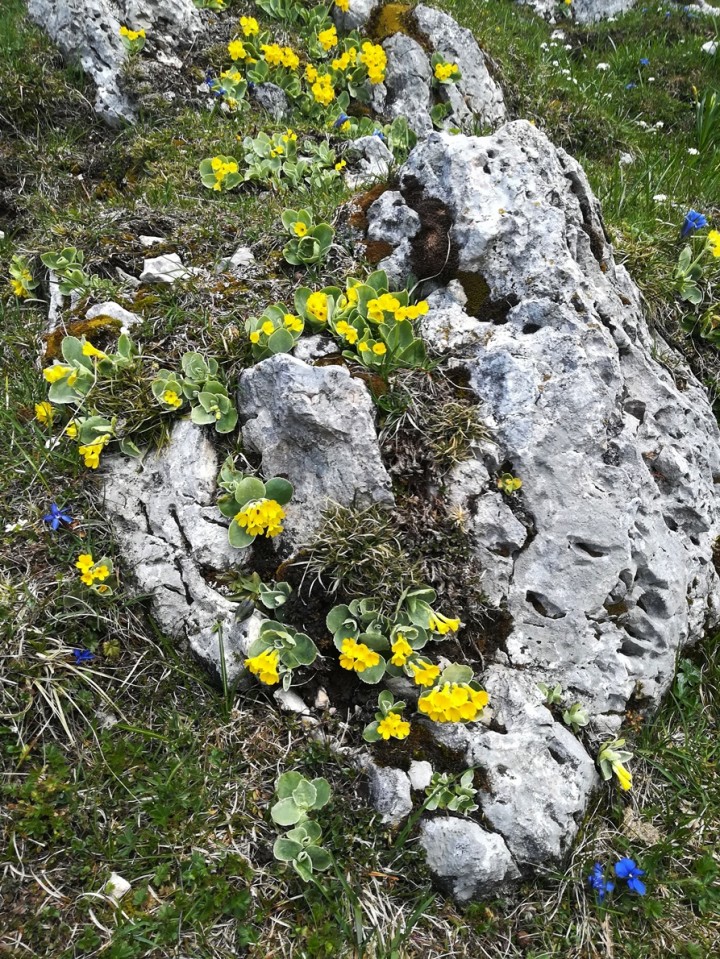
(584,11)
(315,426)
(357,15)
(114,311)
(420,774)
(389,790)
(171,536)
(391,220)
(408,80)
(241,258)
(88,31)
(468,861)
(271,98)
(476,96)
(370,160)
(165,270)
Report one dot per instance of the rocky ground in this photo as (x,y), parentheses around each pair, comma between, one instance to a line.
(512,464)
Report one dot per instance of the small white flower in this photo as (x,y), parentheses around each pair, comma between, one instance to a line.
(603,66)
(555,63)
(625,159)
(660,198)
(543,46)
(557,35)
(659,125)
(568,46)
(651,79)
(693,152)
(642,123)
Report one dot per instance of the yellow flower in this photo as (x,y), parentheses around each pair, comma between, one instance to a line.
(352,294)
(345,126)
(340,165)
(299,228)
(265,666)
(172,399)
(401,649)
(261,517)
(363,346)
(347,332)
(311,73)
(373,56)
(89,350)
(101,572)
(71,430)
(453,703)
(56,372)
(290,59)
(379,349)
(343,5)
(443,625)
(424,673)
(624,776)
(357,656)
(91,452)
(272,53)
(323,90)
(317,306)
(290,135)
(44,413)
(268,328)
(255,336)
(293,323)
(713,242)
(393,726)
(85,562)
(236,49)
(412,312)
(18,287)
(249,26)
(328,38)
(378,307)
(443,71)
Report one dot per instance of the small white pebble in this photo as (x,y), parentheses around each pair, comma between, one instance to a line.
(710,48)
(116,887)
(659,125)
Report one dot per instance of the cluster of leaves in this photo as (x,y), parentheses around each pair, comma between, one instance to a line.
(198,385)
(448,792)
(288,647)
(297,797)
(575,716)
(67,265)
(310,242)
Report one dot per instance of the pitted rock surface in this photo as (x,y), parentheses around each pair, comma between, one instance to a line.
(315,426)
(604,559)
(88,31)
(171,535)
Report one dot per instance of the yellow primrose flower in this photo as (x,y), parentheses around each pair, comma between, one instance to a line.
(255,336)
(91,452)
(299,228)
(249,26)
(290,59)
(268,328)
(343,5)
(392,726)
(56,372)
(265,666)
(85,562)
(328,38)
(317,306)
(379,349)
(713,242)
(340,165)
(402,650)
(347,332)
(443,625)
(453,703)
(443,71)
(374,58)
(290,135)
(412,312)
(71,430)
(624,776)
(311,73)
(236,49)
(89,350)
(323,90)
(172,399)
(363,346)
(261,517)
(293,323)
(357,656)
(424,673)
(44,413)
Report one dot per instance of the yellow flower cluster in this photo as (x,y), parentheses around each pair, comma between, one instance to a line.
(323,90)
(20,286)
(713,242)
(261,517)
(392,726)
(373,56)
(317,306)
(58,372)
(249,26)
(379,349)
(328,38)
(277,56)
(343,5)
(347,59)
(453,703)
(402,650)
(293,323)
(265,666)
(89,571)
(91,452)
(347,332)
(357,656)
(221,170)
(89,350)
(132,35)
(237,51)
(443,625)
(387,303)
(444,71)
(424,673)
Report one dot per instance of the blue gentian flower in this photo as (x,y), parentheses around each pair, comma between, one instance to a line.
(56,516)
(599,883)
(693,221)
(379,134)
(627,869)
(644,62)
(630,86)
(83,656)
(340,120)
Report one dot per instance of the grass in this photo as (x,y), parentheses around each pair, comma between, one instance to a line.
(135,763)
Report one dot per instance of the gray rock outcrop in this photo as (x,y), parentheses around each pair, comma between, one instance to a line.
(314,425)
(604,559)
(173,539)
(88,31)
